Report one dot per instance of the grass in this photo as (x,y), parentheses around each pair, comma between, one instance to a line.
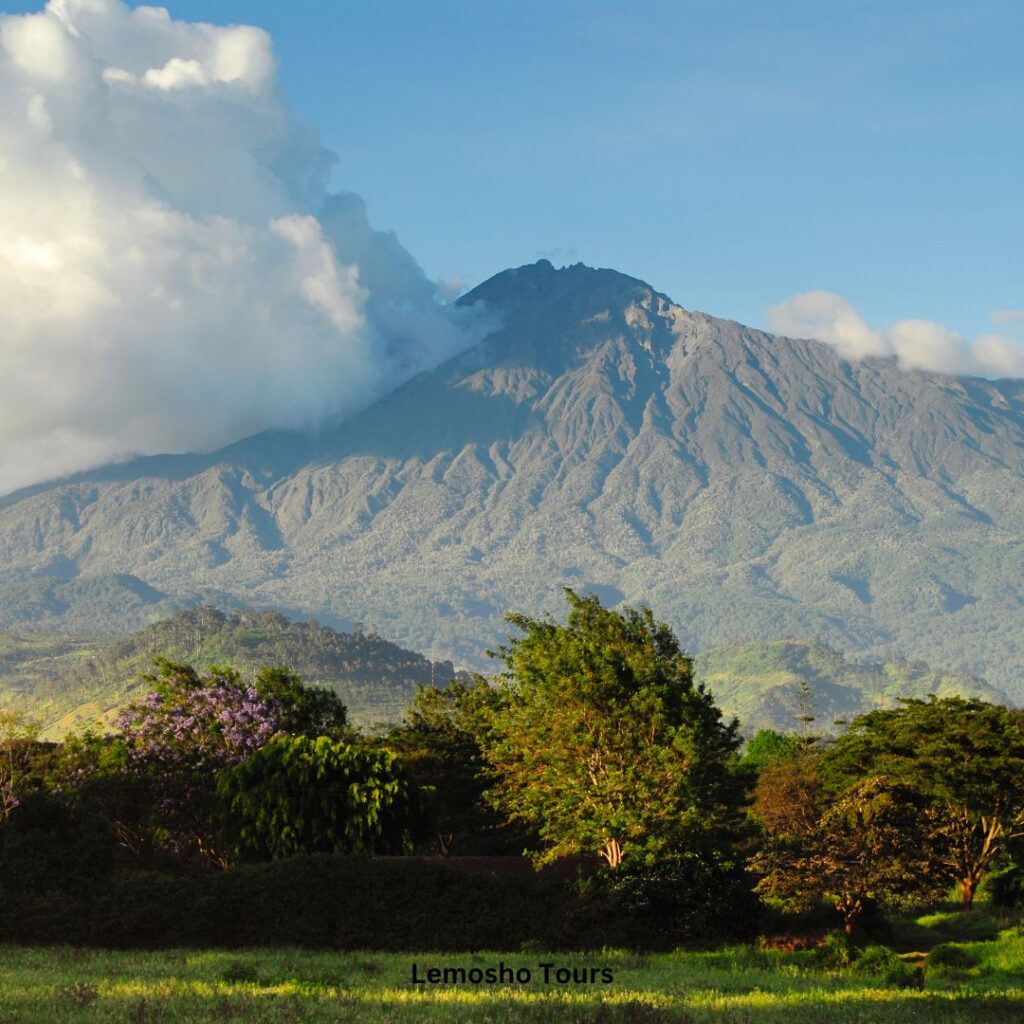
(739,985)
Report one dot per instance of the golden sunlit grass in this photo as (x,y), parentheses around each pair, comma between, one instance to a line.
(738,985)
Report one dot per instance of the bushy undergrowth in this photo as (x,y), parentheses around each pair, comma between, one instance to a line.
(337,902)
(948,954)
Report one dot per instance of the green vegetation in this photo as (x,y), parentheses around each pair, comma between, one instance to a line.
(66,682)
(759,683)
(965,759)
(736,985)
(302,795)
(603,742)
(226,810)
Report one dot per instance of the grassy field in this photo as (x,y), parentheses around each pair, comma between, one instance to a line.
(739,985)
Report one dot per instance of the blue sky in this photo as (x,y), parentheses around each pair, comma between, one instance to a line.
(732,154)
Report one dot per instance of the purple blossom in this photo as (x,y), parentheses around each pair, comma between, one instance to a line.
(190,727)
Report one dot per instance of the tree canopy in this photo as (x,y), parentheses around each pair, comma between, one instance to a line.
(604,742)
(965,757)
(302,795)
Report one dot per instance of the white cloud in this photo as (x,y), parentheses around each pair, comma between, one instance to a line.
(917,344)
(173,274)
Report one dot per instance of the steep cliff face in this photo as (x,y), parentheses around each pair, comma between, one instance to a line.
(745,486)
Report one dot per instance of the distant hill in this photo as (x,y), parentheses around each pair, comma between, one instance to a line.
(758,683)
(67,681)
(745,486)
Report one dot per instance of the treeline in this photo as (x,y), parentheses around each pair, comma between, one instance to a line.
(218,800)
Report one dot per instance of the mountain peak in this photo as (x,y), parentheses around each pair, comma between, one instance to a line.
(541,284)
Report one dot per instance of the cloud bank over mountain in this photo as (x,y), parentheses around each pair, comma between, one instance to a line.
(916,344)
(173,272)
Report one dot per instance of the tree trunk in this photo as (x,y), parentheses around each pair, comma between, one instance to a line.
(850,909)
(612,852)
(968,887)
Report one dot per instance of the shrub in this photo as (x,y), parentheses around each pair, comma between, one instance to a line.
(1006,888)
(674,902)
(331,901)
(47,847)
(836,950)
(949,955)
(881,962)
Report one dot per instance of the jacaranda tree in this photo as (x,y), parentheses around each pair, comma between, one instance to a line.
(190,726)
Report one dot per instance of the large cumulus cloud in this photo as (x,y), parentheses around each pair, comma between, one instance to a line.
(173,274)
(917,344)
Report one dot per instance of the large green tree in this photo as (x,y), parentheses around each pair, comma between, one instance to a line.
(871,842)
(302,795)
(606,744)
(965,757)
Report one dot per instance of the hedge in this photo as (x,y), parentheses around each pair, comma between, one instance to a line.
(337,902)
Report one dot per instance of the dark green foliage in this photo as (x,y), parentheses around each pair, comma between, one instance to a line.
(948,954)
(439,744)
(46,847)
(769,746)
(674,901)
(1006,887)
(90,774)
(881,962)
(304,710)
(605,743)
(837,950)
(334,902)
(965,758)
(300,795)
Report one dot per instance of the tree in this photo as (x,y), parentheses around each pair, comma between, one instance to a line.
(964,757)
(604,742)
(302,795)
(870,843)
(193,725)
(18,735)
(769,746)
(440,744)
(804,711)
(302,710)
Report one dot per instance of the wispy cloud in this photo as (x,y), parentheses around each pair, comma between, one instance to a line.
(1007,316)
(917,344)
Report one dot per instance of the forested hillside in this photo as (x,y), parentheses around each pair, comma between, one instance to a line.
(760,683)
(65,681)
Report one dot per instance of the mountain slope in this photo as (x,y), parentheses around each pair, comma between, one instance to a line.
(745,486)
(67,681)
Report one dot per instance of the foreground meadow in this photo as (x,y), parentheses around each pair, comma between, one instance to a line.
(740,985)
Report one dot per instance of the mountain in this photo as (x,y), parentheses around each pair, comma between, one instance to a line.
(747,487)
(69,681)
(760,682)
